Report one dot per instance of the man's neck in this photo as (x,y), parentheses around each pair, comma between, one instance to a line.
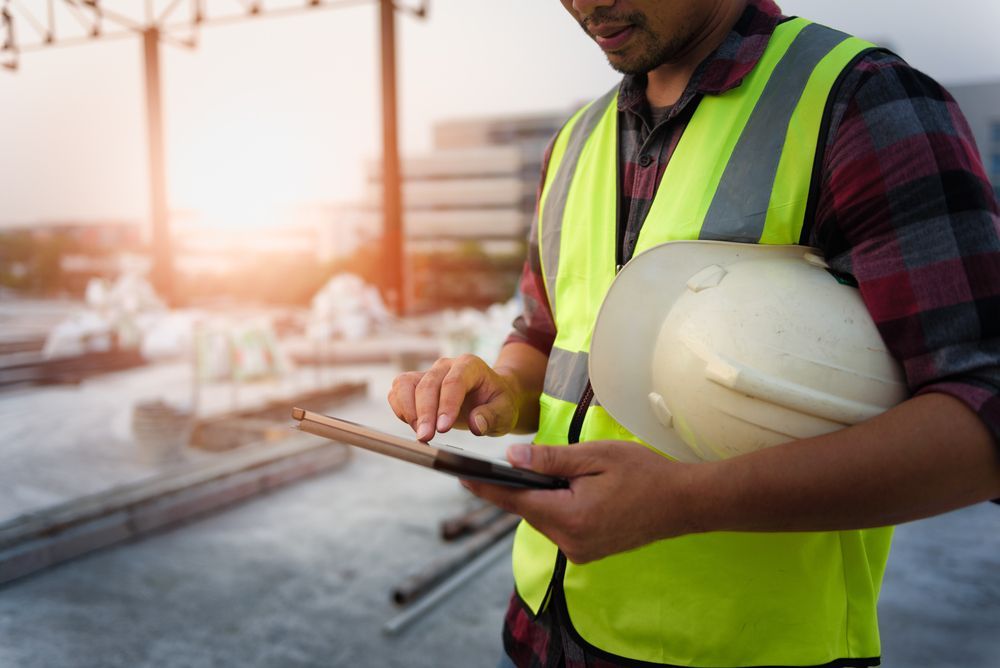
(666,83)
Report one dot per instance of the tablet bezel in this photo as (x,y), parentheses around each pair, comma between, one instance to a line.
(444,458)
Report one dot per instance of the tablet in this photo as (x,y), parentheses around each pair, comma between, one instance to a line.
(445,458)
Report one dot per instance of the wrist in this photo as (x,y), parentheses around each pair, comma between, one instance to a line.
(700,494)
(520,371)
(509,377)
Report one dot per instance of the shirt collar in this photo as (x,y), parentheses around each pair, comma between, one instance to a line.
(725,68)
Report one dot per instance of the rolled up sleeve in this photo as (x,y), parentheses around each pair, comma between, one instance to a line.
(906,208)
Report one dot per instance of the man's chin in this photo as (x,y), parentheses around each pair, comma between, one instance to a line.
(641,57)
(635,62)
(624,66)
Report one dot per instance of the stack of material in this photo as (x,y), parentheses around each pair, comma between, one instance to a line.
(31,369)
(346,308)
(118,315)
(161,431)
(468,205)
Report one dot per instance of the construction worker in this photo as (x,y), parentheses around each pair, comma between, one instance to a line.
(736,123)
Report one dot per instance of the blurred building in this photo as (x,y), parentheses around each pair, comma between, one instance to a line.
(282,258)
(467,208)
(317,232)
(62,256)
(281,255)
(981,104)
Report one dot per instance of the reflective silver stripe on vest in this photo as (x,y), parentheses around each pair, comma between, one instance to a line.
(566,376)
(739,207)
(555,204)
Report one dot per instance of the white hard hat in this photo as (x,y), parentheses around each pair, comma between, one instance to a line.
(706,350)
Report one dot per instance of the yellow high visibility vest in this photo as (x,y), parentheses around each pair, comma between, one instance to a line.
(742,171)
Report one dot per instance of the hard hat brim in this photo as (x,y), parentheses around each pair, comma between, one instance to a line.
(629,322)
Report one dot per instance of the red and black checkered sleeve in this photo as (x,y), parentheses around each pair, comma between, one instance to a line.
(906,208)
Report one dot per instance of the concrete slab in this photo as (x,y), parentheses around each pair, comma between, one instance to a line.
(61,443)
(301,576)
(52,535)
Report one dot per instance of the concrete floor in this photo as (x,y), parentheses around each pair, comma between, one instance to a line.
(298,578)
(301,577)
(940,604)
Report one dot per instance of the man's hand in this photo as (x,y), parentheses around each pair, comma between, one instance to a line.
(463,392)
(621,496)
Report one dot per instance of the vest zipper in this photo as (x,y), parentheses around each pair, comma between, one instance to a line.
(576,424)
(580,414)
(619,223)
(573,436)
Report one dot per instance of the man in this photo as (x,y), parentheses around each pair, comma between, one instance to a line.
(771,558)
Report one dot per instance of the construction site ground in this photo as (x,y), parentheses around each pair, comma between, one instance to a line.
(301,575)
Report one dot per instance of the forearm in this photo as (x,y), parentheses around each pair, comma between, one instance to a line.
(929,455)
(523,366)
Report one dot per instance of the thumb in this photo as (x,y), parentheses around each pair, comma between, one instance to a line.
(494,418)
(561,461)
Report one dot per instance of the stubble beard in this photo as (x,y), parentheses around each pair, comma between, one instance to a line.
(647,50)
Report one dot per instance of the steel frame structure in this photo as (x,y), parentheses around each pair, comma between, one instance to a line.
(177,23)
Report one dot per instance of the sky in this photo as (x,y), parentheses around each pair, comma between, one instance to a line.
(285,110)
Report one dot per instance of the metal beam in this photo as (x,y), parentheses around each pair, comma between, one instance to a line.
(163,269)
(392,210)
(156,29)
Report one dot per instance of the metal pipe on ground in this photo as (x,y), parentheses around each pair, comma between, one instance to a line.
(456,527)
(441,569)
(419,610)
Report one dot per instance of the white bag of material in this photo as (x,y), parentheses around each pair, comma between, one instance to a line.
(346,307)
(81,333)
(165,335)
(480,333)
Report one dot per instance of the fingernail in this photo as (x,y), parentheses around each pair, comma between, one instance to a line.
(481,425)
(442,423)
(424,431)
(519,455)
